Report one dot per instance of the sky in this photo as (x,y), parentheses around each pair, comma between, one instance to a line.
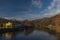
(28,9)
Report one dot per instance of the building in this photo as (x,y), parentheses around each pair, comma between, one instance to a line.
(8,25)
(5,25)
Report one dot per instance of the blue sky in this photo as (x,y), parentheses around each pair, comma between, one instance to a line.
(28,9)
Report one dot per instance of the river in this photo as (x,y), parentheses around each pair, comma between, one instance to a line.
(28,35)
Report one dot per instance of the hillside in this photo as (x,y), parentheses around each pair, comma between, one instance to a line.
(57,23)
(44,22)
(52,23)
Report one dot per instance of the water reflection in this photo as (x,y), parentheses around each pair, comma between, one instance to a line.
(58,36)
(29,34)
(7,35)
(35,35)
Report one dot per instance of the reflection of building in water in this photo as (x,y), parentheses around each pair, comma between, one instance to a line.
(7,35)
(58,36)
(27,32)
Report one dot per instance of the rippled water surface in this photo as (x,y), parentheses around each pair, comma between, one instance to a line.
(26,35)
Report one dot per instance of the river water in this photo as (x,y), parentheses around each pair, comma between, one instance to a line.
(28,35)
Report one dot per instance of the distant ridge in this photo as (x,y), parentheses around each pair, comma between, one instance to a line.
(3,20)
(45,22)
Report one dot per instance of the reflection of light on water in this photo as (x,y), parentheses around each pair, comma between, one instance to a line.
(58,36)
(7,35)
(35,35)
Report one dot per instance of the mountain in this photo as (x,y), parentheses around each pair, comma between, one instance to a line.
(3,20)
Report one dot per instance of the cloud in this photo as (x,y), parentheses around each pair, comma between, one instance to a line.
(52,5)
(37,3)
(24,15)
(50,14)
(53,9)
